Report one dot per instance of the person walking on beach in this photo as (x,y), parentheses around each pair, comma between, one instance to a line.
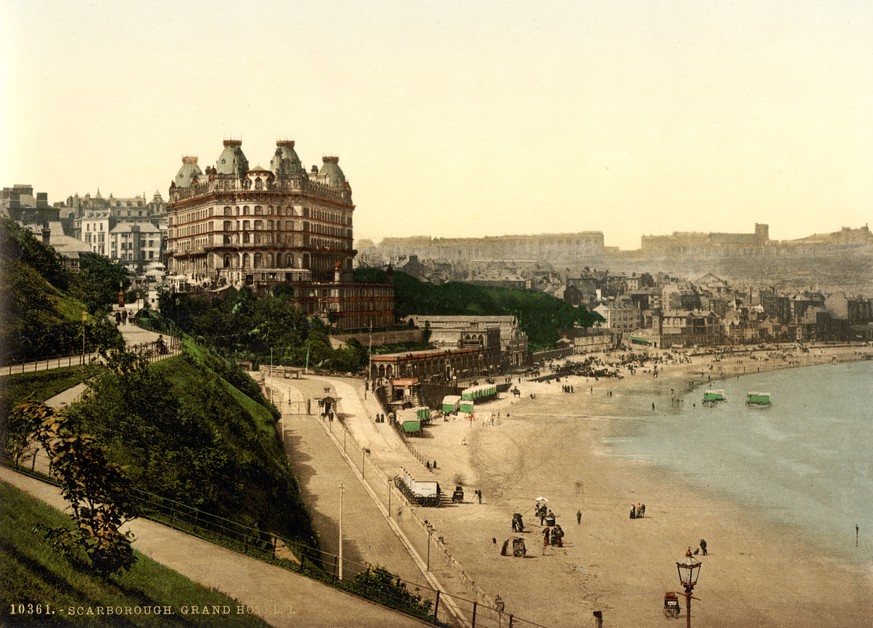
(703,546)
(578,517)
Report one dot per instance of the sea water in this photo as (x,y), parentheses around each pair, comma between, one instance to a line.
(805,461)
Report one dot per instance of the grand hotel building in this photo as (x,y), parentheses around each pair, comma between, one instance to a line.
(235,226)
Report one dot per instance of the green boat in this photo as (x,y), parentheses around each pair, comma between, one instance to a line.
(712,397)
(758,399)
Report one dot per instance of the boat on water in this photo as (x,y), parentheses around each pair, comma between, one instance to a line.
(713,396)
(758,399)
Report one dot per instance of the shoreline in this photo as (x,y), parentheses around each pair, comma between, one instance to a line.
(541,449)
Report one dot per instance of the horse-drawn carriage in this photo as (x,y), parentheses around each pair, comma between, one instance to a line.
(518,548)
(458,495)
(671,604)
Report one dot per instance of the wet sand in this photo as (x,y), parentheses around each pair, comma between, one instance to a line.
(756,573)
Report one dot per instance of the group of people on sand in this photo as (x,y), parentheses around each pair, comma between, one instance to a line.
(544,513)
(637,511)
(553,535)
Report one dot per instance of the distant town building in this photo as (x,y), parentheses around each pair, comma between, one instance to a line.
(619,315)
(689,328)
(92,226)
(112,226)
(69,248)
(26,208)
(232,225)
(34,212)
(486,332)
(594,339)
(436,364)
(133,243)
(555,247)
(685,242)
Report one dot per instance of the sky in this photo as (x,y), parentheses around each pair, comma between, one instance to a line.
(463,119)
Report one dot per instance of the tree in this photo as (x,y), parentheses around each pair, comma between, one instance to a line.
(19,244)
(381,585)
(96,489)
(98,281)
(18,433)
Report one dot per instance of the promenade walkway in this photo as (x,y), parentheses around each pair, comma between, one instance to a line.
(134,338)
(320,468)
(364,456)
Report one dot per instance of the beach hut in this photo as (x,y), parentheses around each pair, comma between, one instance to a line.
(758,399)
(450,403)
(411,426)
(711,397)
(466,406)
(479,393)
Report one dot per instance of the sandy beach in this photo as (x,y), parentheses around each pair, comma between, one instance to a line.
(756,572)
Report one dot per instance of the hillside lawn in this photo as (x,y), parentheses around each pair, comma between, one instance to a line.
(41,385)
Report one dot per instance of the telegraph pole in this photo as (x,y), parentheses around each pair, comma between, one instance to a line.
(342,488)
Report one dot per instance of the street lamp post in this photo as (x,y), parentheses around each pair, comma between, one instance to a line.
(84,318)
(430,529)
(689,571)
(369,361)
(270,388)
(342,488)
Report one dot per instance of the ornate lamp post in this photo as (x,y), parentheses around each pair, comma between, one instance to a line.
(689,571)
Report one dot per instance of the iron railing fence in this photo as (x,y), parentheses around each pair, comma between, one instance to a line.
(364,580)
